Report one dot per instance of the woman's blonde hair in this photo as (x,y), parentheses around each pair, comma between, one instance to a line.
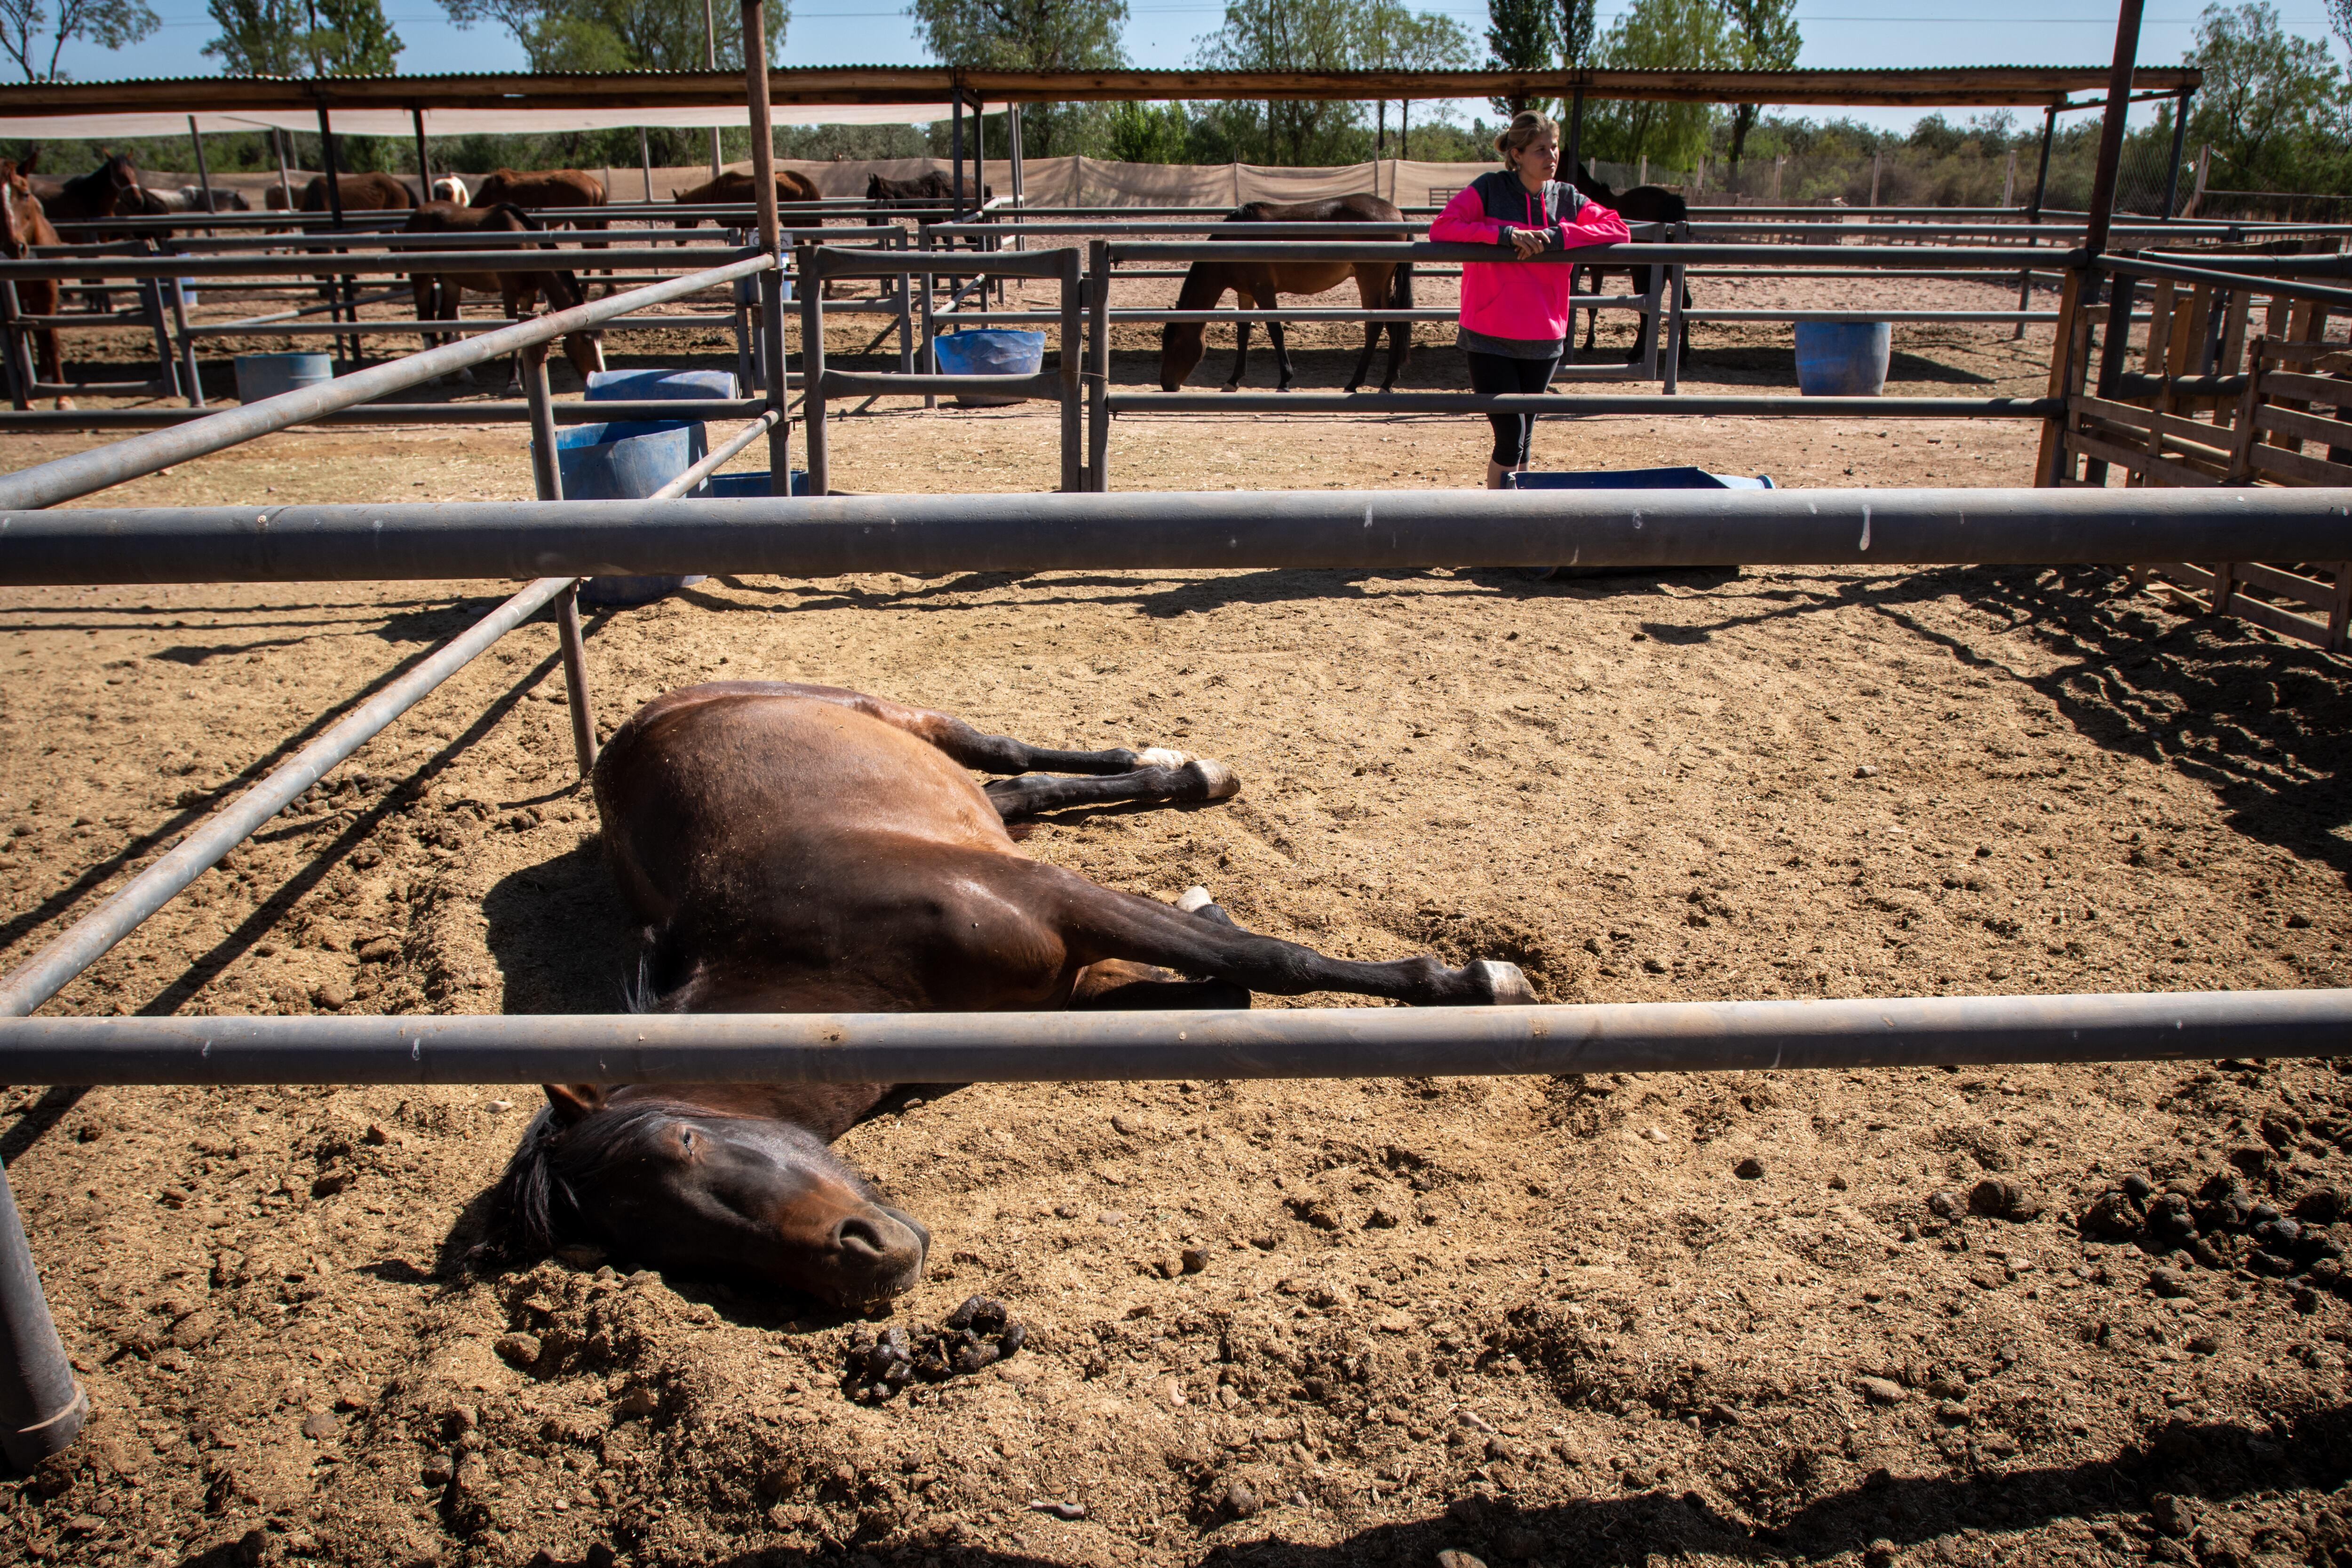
(1526,126)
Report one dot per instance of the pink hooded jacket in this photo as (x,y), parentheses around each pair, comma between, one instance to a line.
(1524,300)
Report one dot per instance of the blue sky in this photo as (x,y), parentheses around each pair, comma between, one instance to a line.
(1837,33)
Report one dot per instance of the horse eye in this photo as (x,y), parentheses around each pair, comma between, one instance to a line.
(686,1140)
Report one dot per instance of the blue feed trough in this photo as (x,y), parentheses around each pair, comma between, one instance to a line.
(624,462)
(1843,359)
(267,375)
(751,483)
(993,351)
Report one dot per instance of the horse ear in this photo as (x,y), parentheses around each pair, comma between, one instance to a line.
(30,161)
(573,1102)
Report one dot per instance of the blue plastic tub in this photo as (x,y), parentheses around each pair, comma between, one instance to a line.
(666,386)
(1639,479)
(267,375)
(991,351)
(751,483)
(624,462)
(1843,359)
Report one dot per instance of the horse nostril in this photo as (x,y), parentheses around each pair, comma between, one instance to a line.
(862,1236)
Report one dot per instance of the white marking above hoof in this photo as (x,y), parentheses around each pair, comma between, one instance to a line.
(1223,781)
(1193,899)
(1505,985)
(1160,757)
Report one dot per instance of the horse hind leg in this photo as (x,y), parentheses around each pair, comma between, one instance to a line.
(1364,360)
(1240,353)
(1191,782)
(1284,376)
(972,747)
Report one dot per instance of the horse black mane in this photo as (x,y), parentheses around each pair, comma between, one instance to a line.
(534,1199)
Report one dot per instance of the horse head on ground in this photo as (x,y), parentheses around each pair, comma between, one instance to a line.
(707,1176)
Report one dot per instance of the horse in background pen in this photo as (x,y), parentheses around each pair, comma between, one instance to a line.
(440,293)
(22,225)
(1642,203)
(1260,285)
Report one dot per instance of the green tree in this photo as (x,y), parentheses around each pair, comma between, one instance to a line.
(1576,30)
(1763,37)
(1659,35)
(621,35)
(1391,38)
(1146,132)
(2272,107)
(1290,35)
(352,37)
(1520,37)
(110,24)
(1031,35)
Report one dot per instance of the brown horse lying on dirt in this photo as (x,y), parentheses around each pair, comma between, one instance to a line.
(1260,285)
(24,224)
(439,294)
(801,849)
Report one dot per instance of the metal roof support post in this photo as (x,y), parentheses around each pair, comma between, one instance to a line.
(710,59)
(771,282)
(1575,131)
(204,175)
(2110,129)
(2172,169)
(955,147)
(41,1407)
(327,156)
(277,140)
(646,160)
(815,437)
(424,158)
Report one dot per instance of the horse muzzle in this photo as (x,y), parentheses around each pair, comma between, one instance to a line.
(876,1255)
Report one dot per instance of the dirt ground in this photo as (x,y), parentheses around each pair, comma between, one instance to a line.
(1544,1320)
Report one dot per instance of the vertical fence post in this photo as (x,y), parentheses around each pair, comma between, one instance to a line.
(41,1407)
(1675,327)
(931,352)
(1074,472)
(905,308)
(818,439)
(771,282)
(547,478)
(2179,137)
(150,301)
(1098,368)
(195,387)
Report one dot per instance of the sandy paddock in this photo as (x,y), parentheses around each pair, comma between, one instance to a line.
(1542,1321)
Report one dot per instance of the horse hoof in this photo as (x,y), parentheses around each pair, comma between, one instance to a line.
(1231,387)
(1504,984)
(1216,781)
(1160,757)
(1193,899)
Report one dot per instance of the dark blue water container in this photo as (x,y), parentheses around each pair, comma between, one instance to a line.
(751,483)
(1639,479)
(267,375)
(991,351)
(1843,359)
(624,462)
(666,386)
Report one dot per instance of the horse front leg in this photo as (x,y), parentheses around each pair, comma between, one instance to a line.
(1364,360)
(52,361)
(1284,376)
(1191,782)
(1241,352)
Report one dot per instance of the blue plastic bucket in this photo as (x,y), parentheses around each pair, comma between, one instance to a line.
(666,386)
(1843,359)
(624,462)
(1639,479)
(989,351)
(267,375)
(751,483)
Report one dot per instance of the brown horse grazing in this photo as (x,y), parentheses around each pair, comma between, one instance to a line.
(439,294)
(358,193)
(24,224)
(1259,285)
(730,188)
(802,848)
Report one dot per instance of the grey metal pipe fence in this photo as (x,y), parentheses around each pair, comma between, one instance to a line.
(46,484)
(1167,531)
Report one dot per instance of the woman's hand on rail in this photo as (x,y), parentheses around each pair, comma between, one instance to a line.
(1528,242)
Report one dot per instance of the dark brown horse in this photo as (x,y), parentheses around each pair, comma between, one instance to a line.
(539,188)
(730,188)
(802,848)
(439,294)
(1259,285)
(111,190)
(358,193)
(24,224)
(1642,203)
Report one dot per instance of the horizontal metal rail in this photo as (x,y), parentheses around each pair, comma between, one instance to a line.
(419,324)
(463,241)
(1285,1043)
(552,257)
(716,458)
(1181,530)
(74,950)
(1592,406)
(1045,385)
(823,261)
(2246,282)
(66,478)
(578,411)
(2009,258)
(2005,318)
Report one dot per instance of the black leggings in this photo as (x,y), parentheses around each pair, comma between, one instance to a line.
(1494,374)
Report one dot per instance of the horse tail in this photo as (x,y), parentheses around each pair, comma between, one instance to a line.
(1401,291)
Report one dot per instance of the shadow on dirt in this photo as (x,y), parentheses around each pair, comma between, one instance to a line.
(561,937)
(2265,722)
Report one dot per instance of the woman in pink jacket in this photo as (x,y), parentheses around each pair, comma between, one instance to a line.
(1516,315)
